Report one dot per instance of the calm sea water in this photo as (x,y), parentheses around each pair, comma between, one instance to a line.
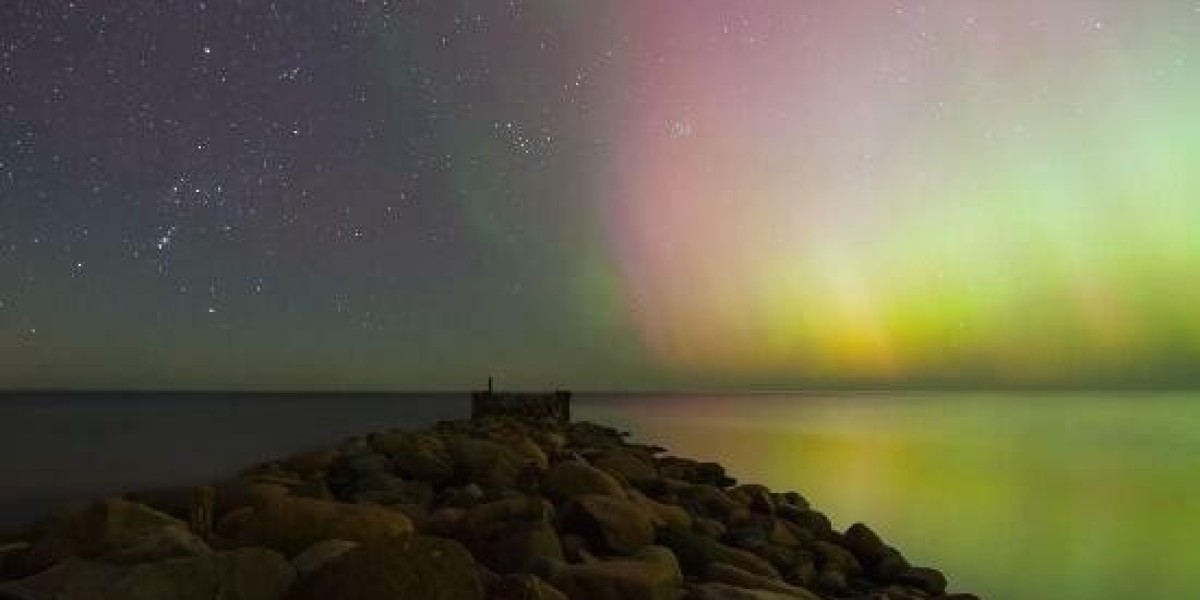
(1016,496)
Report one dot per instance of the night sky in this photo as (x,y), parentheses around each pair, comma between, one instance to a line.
(600,195)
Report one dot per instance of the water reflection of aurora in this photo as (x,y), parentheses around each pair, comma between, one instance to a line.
(1015,496)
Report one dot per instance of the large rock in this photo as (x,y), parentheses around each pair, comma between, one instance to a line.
(710,527)
(755,497)
(815,522)
(708,501)
(729,574)
(516,547)
(477,520)
(527,449)
(889,565)
(664,515)
(692,471)
(724,591)
(924,578)
(352,472)
(570,478)
(176,502)
(169,541)
(835,557)
(291,525)
(782,532)
(489,464)
(316,555)
(748,561)
(113,529)
(413,566)
(695,552)
(629,465)
(614,525)
(421,456)
(389,489)
(233,494)
(651,574)
(864,543)
(247,574)
(524,587)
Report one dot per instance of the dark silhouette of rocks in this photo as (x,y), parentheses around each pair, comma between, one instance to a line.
(505,506)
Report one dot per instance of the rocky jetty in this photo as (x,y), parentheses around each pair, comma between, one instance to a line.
(502,508)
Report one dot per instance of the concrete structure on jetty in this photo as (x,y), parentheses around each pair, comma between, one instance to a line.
(527,405)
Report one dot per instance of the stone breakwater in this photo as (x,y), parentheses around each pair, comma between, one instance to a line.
(495,508)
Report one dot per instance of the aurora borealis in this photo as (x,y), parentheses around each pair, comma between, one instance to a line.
(616,195)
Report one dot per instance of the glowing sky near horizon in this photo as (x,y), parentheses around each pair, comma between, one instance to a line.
(883,191)
(611,195)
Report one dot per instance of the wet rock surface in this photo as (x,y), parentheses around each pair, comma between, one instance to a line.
(495,508)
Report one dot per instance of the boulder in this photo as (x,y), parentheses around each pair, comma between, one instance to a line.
(694,552)
(803,572)
(785,533)
(489,464)
(731,575)
(724,591)
(176,502)
(710,527)
(610,524)
(664,515)
(524,587)
(320,553)
(692,471)
(414,566)
(626,464)
(815,522)
(234,494)
(290,525)
(889,565)
(420,456)
(833,556)
(651,574)
(530,452)
(388,490)
(864,543)
(832,580)
(516,547)
(708,501)
(551,442)
(247,574)
(114,528)
(748,536)
(755,497)
(570,478)
(748,561)
(169,541)
(479,519)
(464,496)
(575,548)
(443,522)
(353,472)
(926,579)
(792,498)
(780,557)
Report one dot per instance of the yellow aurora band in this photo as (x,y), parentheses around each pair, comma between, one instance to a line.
(866,192)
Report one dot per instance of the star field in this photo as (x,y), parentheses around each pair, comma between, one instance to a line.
(185,180)
(414,194)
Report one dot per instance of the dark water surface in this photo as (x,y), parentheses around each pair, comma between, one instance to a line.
(64,447)
(1016,496)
